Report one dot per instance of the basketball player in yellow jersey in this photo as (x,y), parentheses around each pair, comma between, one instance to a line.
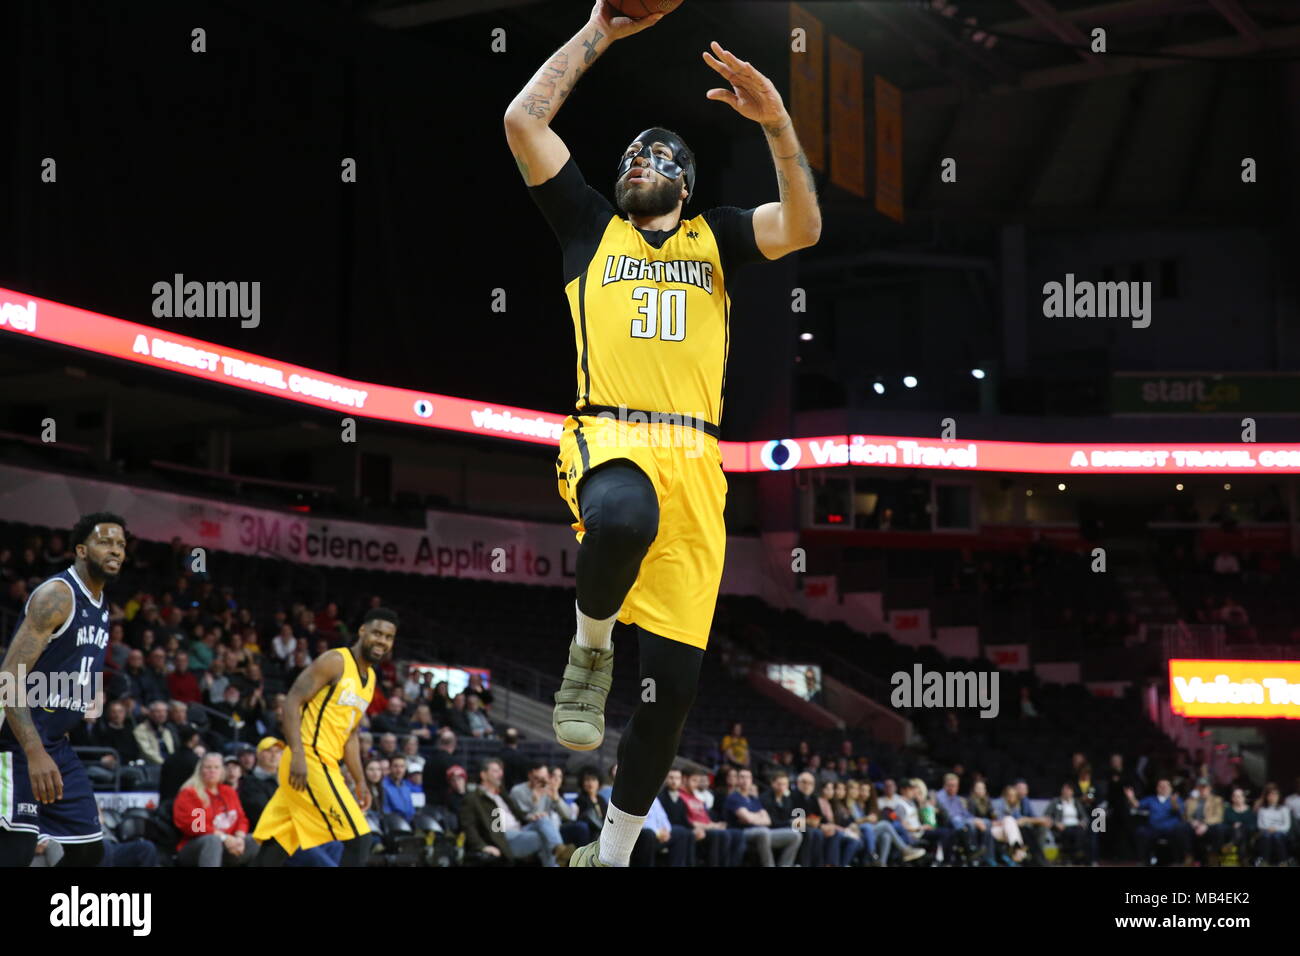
(639,464)
(312,805)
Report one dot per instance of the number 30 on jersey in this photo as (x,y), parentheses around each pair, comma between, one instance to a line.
(663,313)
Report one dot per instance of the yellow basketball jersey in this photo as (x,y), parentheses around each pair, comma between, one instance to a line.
(328,718)
(651,325)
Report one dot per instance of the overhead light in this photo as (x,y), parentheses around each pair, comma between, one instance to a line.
(909,381)
(1029,492)
(977,373)
(806,336)
(1061,486)
(878,388)
(1178,487)
(1227,486)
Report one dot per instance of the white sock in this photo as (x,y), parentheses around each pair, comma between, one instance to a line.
(618,836)
(593,632)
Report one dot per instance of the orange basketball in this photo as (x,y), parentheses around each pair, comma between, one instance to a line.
(636,9)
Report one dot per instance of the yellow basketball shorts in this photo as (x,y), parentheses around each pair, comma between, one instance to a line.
(301,819)
(676,591)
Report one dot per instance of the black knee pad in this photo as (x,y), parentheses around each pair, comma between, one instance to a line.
(82,854)
(619,507)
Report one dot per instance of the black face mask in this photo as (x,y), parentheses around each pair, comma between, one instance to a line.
(669,168)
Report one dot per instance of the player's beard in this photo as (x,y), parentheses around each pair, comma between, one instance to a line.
(374,655)
(99,572)
(656,199)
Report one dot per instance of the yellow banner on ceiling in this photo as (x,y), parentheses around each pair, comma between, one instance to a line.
(889,149)
(848,142)
(807,86)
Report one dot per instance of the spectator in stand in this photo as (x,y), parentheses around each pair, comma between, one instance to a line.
(1028,709)
(375,777)
(494,826)
(154,737)
(398,790)
(1233,614)
(437,765)
(387,746)
(1240,824)
(327,621)
(1293,801)
(114,731)
(1004,828)
(457,780)
(479,725)
(1273,820)
(440,703)
(129,682)
(182,683)
(178,768)
(457,718)
(477,689)
(228,721)
(969,828)
(658,832)
(204,650)
(210,817)
(780,805)
(722,846)
(565,813)
(590,805)
(539,798)
(745,812)
(806,804)
(1164,820)
(118,651)
(735,747)
(813,689)
(259,784)
(516,764)
(1118,819)
(393,719)
(1071,827)
(678,815)
(1204,812)
(214,682)
(232,773)
(283,646)
(422,724)
(842,844)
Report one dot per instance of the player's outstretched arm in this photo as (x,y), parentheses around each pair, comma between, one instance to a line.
(795,222)
(539,152)
(325,669)
(49,608)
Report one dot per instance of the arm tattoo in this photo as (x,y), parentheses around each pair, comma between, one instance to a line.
(48,610)
(783,184)
(808,173)
(592,52)
(537,101)
(775,131)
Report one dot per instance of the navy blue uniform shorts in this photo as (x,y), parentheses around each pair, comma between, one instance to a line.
(72,819)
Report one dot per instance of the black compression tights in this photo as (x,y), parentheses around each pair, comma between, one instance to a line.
(620,513)
(649,744)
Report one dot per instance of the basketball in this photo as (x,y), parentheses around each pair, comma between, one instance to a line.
(636,9)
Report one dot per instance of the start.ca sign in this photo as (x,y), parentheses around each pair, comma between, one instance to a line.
(1234,688)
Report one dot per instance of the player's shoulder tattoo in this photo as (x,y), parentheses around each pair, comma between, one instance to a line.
(50,606)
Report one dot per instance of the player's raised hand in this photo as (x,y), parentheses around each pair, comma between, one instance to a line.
(298,771)
(752,95)
(47,782)
(616,27)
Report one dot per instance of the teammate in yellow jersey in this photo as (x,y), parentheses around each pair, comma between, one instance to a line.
(639,463)
(312,805)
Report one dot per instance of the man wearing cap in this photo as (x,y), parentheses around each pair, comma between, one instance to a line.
(260,782)
(1204,813)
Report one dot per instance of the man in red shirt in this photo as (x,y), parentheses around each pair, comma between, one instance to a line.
(182,683)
